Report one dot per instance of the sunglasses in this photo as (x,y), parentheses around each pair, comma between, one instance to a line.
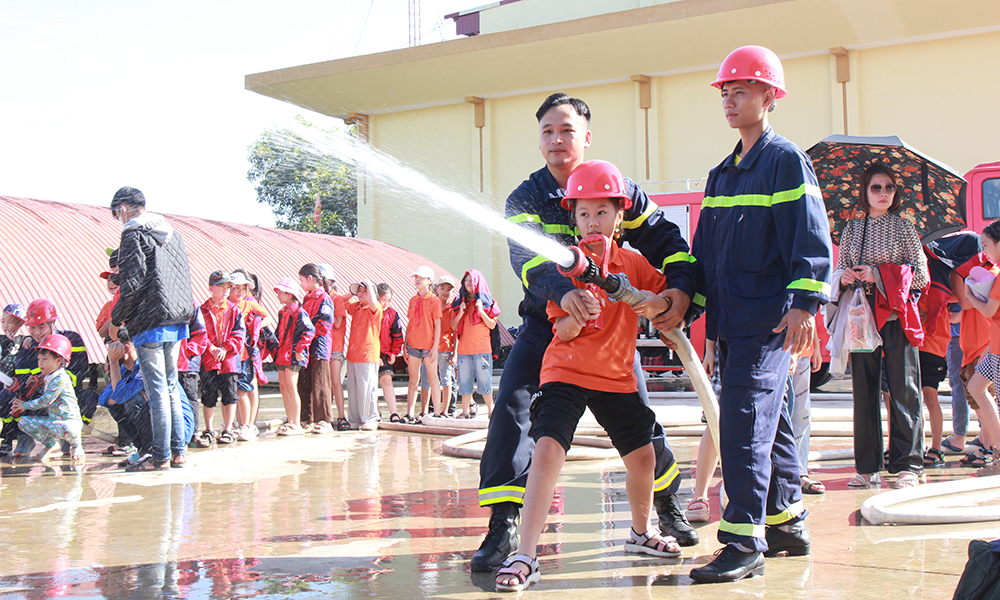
(877,188)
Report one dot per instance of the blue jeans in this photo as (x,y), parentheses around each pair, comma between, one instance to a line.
(158,362)
(959,406)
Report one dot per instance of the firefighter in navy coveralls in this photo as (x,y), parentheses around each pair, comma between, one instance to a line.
(564,125)
(763,248)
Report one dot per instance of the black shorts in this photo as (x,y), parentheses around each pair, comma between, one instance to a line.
(214,384)
(384,366)
(557,407)
(933,370)
(189,381)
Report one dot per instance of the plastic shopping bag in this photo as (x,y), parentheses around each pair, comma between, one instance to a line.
(861,334)
(838,353)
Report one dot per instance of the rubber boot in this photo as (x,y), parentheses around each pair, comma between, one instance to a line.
(673,522)
(501,539)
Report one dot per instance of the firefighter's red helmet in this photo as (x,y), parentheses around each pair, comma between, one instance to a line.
(59,344)
(41,311)
(755,63)
(596,179)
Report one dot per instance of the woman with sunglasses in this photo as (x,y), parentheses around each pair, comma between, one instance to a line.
(881,252)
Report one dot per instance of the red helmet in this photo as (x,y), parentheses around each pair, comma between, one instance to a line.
(755,63)
(59,344)
(596,179)
(41,311)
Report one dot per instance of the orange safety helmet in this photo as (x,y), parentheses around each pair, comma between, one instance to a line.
(59,344)
(754,63)
(41,311)
(596,179)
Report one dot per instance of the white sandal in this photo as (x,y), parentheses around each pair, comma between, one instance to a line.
(907,479)
(661,546)
(863,482)
(523,580)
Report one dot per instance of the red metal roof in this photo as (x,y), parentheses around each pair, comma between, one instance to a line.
(55,250)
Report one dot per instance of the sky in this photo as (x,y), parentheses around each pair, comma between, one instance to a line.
(105,93)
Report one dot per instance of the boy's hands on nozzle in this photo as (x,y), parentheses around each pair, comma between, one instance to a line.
(581,305)
(653,306)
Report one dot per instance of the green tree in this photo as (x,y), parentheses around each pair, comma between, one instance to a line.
(288,172)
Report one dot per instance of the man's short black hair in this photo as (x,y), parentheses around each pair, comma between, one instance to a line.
(560,98)
(128,195)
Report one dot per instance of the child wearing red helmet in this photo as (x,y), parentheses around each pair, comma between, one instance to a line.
(570,383)
(63,422)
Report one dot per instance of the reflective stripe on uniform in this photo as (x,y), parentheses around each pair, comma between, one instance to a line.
(502,493)
(678,257)
(786,515)
(664,481)
(546,227)
(531,264)
(78,348)
(744,529)
(810,285)
(640,219)
(764,200)
(698,300)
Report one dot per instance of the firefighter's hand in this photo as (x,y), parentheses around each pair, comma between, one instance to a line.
(799,327)
(652,306)
(581,305)
(708,363)
(673,318)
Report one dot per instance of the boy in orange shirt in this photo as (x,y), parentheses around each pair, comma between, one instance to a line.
(597,198)
(423,330)
(363,356)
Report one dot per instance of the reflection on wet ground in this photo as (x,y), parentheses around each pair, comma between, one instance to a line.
(386,515)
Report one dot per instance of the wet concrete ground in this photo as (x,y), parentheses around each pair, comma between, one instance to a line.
(386,515)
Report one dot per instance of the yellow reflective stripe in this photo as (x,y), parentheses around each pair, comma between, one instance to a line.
(744,529)
(23,371)
(677,257)
(72,377)
(7,419)
(503,493)
(761,199)
(547,228)
(786,515)
(531,264)
(664,481)
(698,300)
(78,348)
(811,285)
(640,219)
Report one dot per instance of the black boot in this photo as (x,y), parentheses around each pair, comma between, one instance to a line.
(501,539)
(731,564)
(793,543)
(673,522)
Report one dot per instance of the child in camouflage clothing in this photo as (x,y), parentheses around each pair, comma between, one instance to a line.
(63,421)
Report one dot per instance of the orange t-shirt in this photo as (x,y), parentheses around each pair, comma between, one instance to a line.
(247,306)
(338,334)
(995,319)
(601,359)
(447,342)
(475,338)
(420,331)
(366,324)
(935,343)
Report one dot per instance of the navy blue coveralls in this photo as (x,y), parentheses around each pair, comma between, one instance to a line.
(535,205)
(763,247)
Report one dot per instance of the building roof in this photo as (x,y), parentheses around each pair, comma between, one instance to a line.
(56,250)
(662,39)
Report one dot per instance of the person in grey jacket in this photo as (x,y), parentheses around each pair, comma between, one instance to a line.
(155,306)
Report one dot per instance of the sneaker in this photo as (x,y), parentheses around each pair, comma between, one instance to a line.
(730,564)
(246,433)
(369,426)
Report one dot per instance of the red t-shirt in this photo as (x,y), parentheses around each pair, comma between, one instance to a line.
(420,318)
(338,334)
(601,359)
(447,342)
(366,325)
(935,343)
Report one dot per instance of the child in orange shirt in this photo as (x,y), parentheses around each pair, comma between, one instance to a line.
(423,330)
(363,356)
(445,291)
(475,314)
(589,364)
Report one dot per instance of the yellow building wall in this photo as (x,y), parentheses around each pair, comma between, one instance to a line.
(936,95)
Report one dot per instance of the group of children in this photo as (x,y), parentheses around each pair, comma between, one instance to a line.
(222,361)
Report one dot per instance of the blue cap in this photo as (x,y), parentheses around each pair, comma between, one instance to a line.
(16,310)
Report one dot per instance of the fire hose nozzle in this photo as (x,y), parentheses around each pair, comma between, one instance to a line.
(579,266)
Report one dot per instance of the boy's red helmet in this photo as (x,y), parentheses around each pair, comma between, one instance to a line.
(59,344)
(41,311)
(596,179)
(755,63)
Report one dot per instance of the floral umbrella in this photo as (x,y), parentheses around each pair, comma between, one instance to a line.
(933,193)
